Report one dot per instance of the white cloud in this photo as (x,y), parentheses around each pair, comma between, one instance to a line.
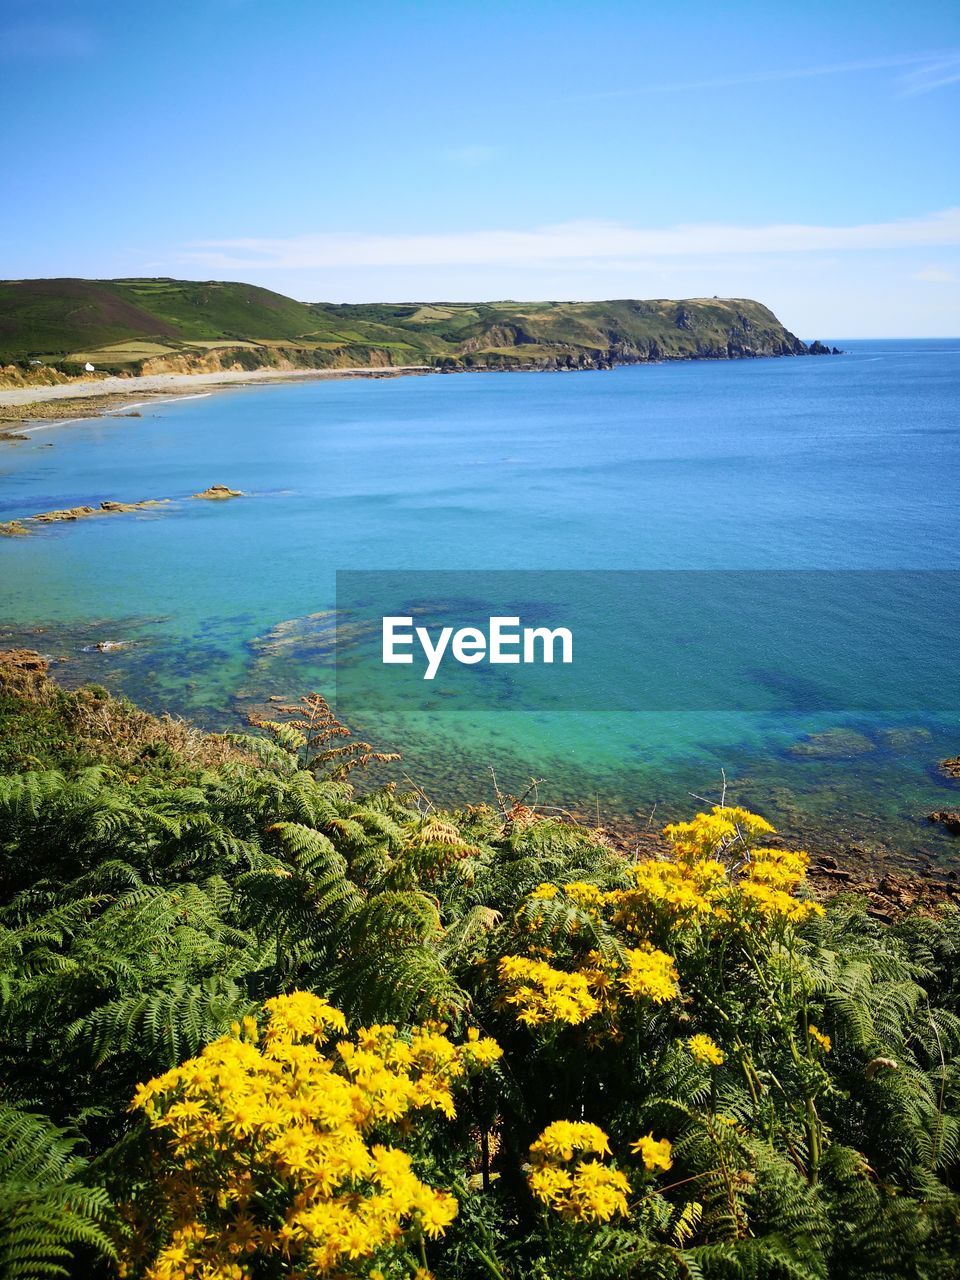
(920,73)
(936,275)
(938,73)
(581,242)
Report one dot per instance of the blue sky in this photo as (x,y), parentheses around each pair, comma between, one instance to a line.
(805,155)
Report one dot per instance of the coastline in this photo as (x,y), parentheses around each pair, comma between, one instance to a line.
(24,408)
(850,843)
(891,882)
(44,405)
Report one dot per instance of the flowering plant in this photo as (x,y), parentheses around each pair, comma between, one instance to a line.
(287,1144)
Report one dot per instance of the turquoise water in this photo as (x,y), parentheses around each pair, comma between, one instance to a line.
(841,463)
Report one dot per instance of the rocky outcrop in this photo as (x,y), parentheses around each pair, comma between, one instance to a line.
(218,493)
(949,818)
(68,513)
(109,507)
(950,768)
(105,508)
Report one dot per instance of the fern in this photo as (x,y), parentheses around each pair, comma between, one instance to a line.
(46,1213)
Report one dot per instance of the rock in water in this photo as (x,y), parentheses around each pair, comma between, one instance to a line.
(110,506)
(832,744)
(902,739)
(217,492)
(70,513)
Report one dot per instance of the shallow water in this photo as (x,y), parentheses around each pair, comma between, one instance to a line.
(840,463)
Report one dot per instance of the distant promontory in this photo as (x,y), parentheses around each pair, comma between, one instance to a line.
(59,327)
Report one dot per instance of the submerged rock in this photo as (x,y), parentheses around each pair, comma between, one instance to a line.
(949,818)
(950,768)
(832,744)
(13,529)
(217,492)
(107,646)
(902,739)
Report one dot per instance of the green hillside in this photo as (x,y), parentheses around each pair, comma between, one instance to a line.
(38,317)
(145,325)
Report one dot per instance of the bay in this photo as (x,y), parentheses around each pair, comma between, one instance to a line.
(839,463)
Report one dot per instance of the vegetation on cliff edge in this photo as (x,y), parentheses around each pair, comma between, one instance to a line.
(178,325)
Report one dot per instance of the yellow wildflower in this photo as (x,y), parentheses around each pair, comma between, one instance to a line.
(649,974)
(704,1050)
(598,1192)
(561,1139)
(543,994)
(251,1117)
(711,832)
(589,1190)
(822,1039)
(655,1153)
(545,892)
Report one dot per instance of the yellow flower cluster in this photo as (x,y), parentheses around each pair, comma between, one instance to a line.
(581,1189)
(649,974)
(271,1143)
(545,892)
(769,882)
(544,994)
(678,892)
(560,1140)
(711,833)
(654,1152)
(704,1050)
(586,896)
(821,1037)
(601,972)
(694,886)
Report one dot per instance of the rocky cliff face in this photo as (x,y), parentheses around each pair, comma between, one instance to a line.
(212,326)
(601,335)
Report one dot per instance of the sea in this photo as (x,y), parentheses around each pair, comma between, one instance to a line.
(769,468)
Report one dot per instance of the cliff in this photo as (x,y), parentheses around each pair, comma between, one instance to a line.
(51,327)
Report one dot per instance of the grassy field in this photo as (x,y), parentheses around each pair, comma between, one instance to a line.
(122,353)
(119,324)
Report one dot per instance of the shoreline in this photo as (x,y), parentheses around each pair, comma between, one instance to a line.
(112,395)
(99,397)
(892,883)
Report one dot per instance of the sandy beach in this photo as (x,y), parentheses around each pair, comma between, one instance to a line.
(110,394)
